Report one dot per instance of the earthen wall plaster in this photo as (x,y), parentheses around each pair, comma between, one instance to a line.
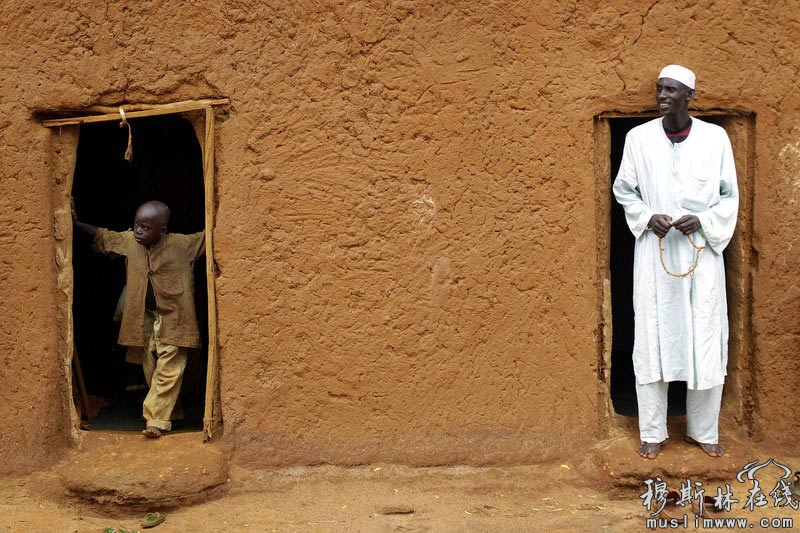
(406,232)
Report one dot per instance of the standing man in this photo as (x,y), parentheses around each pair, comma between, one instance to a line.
(677,185)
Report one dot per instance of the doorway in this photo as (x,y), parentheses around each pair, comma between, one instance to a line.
(166,165)
(617,267)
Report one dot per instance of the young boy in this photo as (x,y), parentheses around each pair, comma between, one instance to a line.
(158,319)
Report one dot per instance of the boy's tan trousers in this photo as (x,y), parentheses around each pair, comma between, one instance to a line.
(163,366)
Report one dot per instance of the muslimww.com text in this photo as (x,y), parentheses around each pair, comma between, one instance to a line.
(718,523)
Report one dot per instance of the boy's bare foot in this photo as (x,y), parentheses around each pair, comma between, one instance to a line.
(151,432)
(713,450)
(649,450)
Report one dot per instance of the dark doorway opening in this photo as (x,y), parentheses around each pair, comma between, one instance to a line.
(167,165)
(623,381)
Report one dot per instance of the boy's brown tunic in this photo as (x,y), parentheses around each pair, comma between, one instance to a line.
(168,266)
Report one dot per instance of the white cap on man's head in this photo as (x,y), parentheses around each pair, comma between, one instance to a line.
(678,73)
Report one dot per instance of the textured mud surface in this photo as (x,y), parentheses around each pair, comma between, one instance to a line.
(406,227)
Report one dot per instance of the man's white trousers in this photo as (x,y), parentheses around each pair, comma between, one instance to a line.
(702,412)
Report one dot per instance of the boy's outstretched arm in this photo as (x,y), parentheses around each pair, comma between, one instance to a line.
(83,226)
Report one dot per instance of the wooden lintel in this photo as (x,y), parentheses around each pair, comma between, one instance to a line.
(654,113)
(150,111)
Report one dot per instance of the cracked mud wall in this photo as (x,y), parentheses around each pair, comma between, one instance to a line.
(406,231)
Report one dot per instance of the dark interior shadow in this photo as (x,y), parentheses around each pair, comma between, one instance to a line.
(167,165)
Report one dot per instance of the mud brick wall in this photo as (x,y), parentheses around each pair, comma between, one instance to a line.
(406,227)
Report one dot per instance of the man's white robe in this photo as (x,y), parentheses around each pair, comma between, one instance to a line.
(681,324)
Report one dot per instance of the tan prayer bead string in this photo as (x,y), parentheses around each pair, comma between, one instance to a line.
(697,250)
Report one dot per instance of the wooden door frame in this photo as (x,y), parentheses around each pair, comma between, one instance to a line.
(64,141)
(738,404)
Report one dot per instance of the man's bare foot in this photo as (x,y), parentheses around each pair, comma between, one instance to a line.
(649,450)
(151,432)
(713,450)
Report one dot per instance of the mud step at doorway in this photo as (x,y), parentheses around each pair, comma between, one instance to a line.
(623,472)
(130,472)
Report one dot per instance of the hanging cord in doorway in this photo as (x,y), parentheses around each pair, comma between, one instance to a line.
(129,150)
(697,250)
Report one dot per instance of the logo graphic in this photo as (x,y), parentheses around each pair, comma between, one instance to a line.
(658,500)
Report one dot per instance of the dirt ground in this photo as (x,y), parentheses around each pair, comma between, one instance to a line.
(555,496)
(366,498)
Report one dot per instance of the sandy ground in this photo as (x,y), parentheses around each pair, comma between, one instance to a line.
(366,498)
(558,496)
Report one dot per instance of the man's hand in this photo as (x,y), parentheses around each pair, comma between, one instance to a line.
(687,224)
(660,224)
